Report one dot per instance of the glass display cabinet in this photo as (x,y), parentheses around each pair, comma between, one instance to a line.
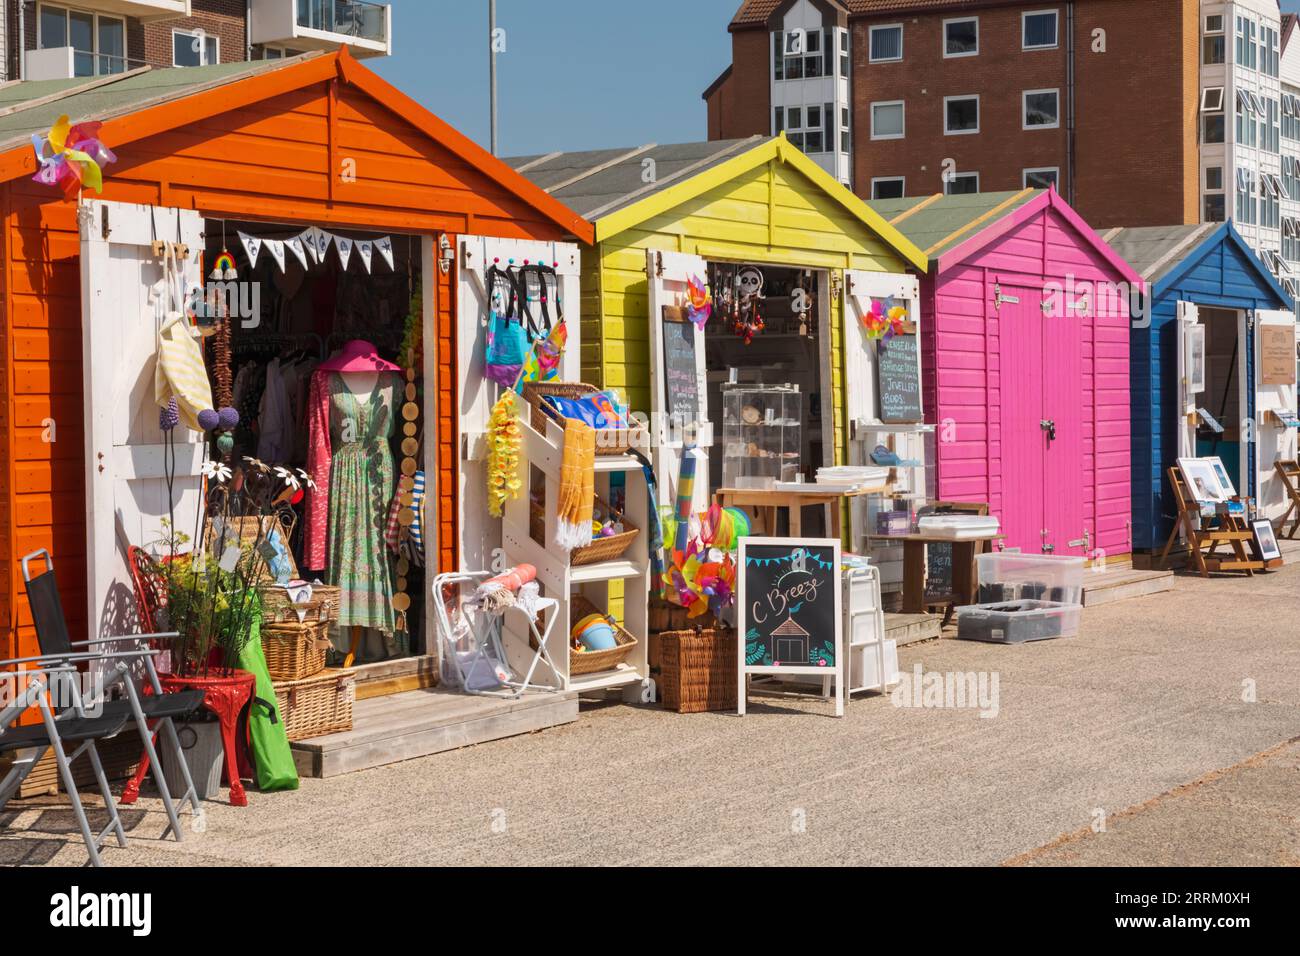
(761,435)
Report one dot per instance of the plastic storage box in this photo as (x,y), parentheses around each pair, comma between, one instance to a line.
(1016,622)
(957,527)
(1009,576)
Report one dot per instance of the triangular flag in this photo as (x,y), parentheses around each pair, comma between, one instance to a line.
(252,246)
(295,246)
(344,246)
(322,243)
(308,240)
(276,248)
(367,251)
(385,247)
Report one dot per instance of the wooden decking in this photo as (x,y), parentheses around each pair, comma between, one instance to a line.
(910,628)
(1120,582)
(418,723)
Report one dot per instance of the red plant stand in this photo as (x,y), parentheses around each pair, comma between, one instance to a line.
(227,695)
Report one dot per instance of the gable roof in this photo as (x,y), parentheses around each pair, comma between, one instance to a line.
(755,13)
(607,185)
(146,102)
(950,229)
(1164,254)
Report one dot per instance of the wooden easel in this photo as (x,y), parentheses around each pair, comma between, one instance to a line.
(1231,530)
(1289,472)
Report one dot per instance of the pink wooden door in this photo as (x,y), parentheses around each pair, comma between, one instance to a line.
(1041,425)
(1064,480)
(1020,332)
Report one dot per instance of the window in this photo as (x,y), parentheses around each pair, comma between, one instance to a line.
(778,121)
(962,183)
(1245,196)
(803,127)
(1214,23)
(961,37)
(888,187)
(1246,128)
(194,49)
(1042,178)
(1214,178)
(887,120)
(1271,127)
(844,53)
(1290,117)
(1246,48)
(1212,99)
(961,115)
(1038,30)
(98,42)
(1216,208)
(1212,128)
(1213,50)
(1042,109)
(887,43)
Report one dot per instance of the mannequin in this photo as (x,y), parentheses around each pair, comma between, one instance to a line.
(352,414)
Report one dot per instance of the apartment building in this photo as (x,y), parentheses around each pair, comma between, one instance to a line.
(1095,97)
(96,37)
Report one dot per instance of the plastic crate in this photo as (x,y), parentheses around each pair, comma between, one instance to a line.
(1009,576)
(1017,622)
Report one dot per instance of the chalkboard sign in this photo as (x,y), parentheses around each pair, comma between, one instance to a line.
(681,370)
(938,572)
(898,380)
(789,609)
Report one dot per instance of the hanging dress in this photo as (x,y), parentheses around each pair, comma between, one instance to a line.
(350,457)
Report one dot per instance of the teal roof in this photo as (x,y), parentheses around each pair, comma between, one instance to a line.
(945,215)
(33,106)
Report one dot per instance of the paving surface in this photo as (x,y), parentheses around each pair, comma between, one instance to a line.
(1173,718)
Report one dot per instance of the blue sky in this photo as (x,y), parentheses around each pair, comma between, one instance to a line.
(576,74)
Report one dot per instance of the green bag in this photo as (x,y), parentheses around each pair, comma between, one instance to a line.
(271,754)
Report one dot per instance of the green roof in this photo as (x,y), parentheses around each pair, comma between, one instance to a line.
(945,215)
(33,106)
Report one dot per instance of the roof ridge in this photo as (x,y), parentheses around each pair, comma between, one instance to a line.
(600,167)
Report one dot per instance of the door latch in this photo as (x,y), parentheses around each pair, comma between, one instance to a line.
(1047,548)
(1048,426)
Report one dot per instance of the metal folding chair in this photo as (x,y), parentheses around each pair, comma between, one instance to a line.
(153,714)
(468,651)
(59,727)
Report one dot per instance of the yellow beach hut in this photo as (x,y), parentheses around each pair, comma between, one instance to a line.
(793,260)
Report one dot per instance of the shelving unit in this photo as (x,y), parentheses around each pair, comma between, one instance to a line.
(560,580)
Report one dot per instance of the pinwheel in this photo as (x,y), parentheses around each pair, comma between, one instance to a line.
(72,157)
(699,304)
(885,320)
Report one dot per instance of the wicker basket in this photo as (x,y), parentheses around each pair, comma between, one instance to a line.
(295,649)
(609,441)
(605,549)
(698,670)
(590,662)
(316,706)
(666,616)
(324,603)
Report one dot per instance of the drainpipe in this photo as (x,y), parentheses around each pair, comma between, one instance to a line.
(248,29)
(1069,103)
(22,40)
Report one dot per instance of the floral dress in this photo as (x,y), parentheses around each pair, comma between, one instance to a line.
(359,471)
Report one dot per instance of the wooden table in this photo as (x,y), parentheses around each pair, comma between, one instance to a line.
(765,503)
(965,582)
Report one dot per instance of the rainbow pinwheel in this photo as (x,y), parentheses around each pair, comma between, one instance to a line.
(885,320)
(72,157)
(699,303)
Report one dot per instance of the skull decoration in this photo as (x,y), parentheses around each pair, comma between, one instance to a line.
(749,282)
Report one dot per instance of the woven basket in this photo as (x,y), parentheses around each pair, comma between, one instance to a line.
(324,603)
(609,441)
(605,549)
(697,670)
(665,616)
(295,649)
(591,662)
(316,706)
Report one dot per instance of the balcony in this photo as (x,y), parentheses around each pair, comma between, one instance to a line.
(140,9)
(323,25)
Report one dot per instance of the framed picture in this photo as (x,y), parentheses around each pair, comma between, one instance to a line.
(1195,360)
(1264,542)
(1202,479)
(1220,472)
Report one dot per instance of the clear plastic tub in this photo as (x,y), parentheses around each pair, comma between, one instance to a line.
(1016,622)
(1009,576)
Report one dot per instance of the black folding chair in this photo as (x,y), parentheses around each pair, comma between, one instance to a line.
(60,726)
(158,707)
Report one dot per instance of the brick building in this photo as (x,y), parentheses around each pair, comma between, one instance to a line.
(97,37)
(1098,97)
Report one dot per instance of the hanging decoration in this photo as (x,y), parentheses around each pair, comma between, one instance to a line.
(699,303)
(276,248)
(224,268)
(504,440)
(252,247)
(884,319)
(311,247)
(746,319)
(297,247)
(385,247)
(71,157)
(366,250)
(344,246)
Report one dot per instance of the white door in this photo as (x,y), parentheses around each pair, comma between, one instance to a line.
(668,273)
(123,303)
(862,413)
(480,535)
(1275,391)
(1191,375)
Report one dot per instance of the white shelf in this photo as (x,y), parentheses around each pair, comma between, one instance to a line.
(603,571)
(602,679)
(881,428)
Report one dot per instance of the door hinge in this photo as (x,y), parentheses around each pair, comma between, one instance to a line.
(999,298)
(659,265)
(104,227)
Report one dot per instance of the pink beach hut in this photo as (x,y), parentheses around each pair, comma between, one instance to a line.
(1025,365)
